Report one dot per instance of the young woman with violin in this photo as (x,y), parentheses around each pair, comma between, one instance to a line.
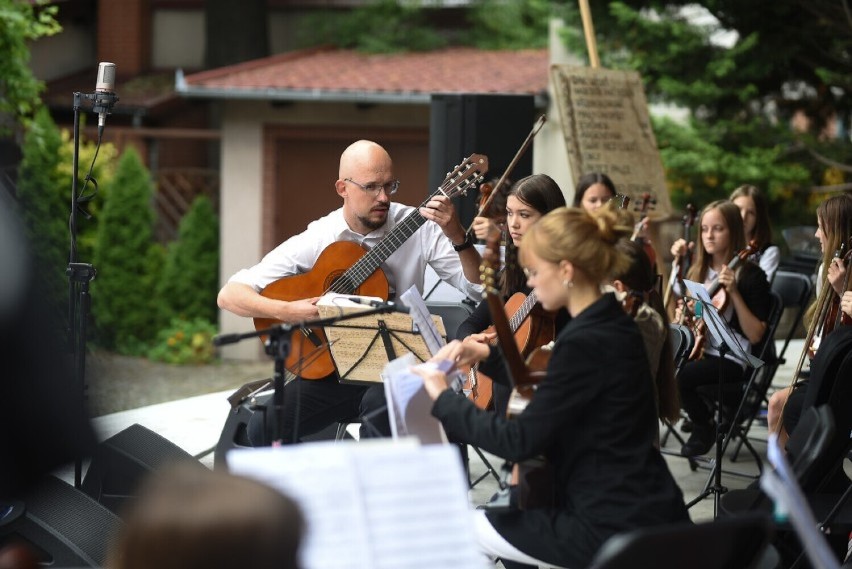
(593,190)
(637,288)
(834,227)
(743,301)
(755,214)
(528,200)
(592,415)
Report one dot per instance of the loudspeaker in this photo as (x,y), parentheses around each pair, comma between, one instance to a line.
(123,460)
(494,125)
(62,526)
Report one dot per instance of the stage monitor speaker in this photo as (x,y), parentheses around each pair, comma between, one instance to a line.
(494,125)
(60,525)
(123,460)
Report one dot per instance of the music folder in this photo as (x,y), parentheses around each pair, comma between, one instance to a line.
(720,333)
(361,347)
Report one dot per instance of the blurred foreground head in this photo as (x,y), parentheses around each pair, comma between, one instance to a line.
(191,518)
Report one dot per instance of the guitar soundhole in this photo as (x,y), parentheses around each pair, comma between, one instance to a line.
(339,284)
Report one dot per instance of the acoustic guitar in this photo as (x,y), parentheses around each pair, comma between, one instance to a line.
(345,267)
(530,331)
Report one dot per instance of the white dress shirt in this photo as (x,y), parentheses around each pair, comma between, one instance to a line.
(404,267)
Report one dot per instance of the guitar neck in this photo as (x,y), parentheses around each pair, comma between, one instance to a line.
(367,265)
(456,182)
(522,312)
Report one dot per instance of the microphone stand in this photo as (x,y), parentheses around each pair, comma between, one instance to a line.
(79,277)
(278,344)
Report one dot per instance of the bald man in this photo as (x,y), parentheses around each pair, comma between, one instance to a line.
(365,182)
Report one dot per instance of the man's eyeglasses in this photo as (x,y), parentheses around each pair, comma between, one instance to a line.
(373,189)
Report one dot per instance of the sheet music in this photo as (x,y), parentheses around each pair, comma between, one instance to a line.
(781,485)
(409,406)
(719,331)
(318,480)
(379,506)
(422,319)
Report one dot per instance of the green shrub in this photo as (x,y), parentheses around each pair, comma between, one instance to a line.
(190,278)
(45,199)
(122,292)
(185,342)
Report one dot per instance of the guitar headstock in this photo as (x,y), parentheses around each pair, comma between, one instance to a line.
(467,174)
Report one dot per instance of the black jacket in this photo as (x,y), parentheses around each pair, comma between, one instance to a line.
(594,419)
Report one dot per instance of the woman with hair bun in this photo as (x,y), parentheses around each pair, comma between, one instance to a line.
(593,416)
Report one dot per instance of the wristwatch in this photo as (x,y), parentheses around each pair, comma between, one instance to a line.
(466,244)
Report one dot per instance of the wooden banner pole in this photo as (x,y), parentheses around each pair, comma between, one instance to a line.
(589,30)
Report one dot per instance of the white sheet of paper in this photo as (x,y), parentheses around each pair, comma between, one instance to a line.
(781,485)
(409,406)
(393,506)
(422,319)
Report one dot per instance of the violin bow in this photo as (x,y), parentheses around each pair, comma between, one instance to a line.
(537,127)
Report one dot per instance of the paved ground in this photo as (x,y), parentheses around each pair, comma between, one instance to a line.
(118,383)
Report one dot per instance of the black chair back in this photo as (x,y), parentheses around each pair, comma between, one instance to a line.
(736,542)
(683,340)
(809,441)
(795,290)
(452,313)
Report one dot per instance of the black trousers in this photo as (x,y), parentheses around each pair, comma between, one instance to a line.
(697,380)
(318,403)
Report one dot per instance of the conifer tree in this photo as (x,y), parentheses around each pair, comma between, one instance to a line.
(189,282)
(122,291)
(45,204)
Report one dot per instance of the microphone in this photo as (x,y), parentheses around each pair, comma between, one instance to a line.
(389,306)
(104,97)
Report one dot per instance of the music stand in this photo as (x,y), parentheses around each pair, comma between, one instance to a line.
(278,344)
(722,339)
(363,343)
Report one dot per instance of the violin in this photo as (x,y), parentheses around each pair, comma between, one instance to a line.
(717,294)
(646,203)
(828,315)
(682,262)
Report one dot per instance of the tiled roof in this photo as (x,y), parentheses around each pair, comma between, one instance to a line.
(328,71)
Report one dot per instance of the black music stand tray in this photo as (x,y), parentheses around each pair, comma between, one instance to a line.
(361,347)
(722,338)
